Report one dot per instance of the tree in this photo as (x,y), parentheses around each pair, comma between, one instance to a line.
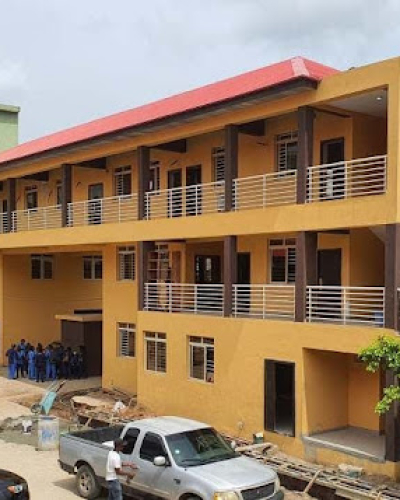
(384,353)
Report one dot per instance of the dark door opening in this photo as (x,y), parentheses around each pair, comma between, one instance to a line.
(280,397)
(95,209)
(193,190)
(175,195)
(329,301)
(332,176)
(243,291)
(208,272)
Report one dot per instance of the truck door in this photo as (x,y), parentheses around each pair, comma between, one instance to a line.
(157,481)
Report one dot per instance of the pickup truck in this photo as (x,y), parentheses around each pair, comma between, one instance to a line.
(177,459)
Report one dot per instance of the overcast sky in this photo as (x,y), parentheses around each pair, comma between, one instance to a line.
(70,61)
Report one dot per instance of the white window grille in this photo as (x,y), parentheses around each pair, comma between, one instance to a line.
(201,355)
(123,181)
(31,197)
(127,340)
(156,352)
(218,160)
(154,184)
(92,267)
(286,151)
(282,254)
(126,263)
(42,267)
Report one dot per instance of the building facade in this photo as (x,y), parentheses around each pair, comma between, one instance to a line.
(224,253)
(8,126)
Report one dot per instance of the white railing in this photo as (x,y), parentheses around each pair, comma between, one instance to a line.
(184,298)
(260,191)
(347,179)
(103,210)
(187,200)
(3,222)
(37,218)
(346,305)
(264,301)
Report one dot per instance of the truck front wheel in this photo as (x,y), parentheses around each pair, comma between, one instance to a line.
(86,483)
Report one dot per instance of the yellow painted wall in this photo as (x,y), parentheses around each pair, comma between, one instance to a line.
(367,258)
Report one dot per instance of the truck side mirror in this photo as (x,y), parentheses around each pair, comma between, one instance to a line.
(160,461)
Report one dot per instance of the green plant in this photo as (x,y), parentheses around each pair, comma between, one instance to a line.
(384,353)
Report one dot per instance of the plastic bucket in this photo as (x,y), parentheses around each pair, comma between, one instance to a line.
(48,433)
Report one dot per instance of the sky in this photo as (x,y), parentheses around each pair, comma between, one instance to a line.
(66,62)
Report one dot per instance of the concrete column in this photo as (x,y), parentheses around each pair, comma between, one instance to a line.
(11,201)
(66,192)
(392,276)
(143,249)
(392,425)
(2,343)
(305,116)
(143,159)
(306,270)
(230,271)
(231,162)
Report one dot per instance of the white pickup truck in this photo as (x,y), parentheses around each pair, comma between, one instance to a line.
(177,459)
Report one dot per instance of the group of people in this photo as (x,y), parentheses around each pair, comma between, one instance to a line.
(49,363)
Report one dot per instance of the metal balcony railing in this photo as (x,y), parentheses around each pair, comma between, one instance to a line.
(264,301)
(37,218)
(103,210)
(187,200)
(260,191)
(3,222)
(347,179)
(346,305)
(184,298)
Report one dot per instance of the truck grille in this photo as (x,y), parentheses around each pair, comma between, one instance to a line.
(264,491)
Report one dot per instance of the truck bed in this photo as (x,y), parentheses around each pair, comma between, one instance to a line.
(100,435)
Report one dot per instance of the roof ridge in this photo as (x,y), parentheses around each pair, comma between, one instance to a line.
(299,66)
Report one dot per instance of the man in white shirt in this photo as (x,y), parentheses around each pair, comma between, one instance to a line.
(114,469)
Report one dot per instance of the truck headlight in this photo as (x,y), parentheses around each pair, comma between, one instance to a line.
(226,495)
(277,484)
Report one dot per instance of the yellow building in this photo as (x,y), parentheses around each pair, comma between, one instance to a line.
(229,250)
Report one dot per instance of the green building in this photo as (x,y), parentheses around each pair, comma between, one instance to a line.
(8,126)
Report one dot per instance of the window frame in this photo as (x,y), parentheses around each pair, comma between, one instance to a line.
(119,181)
(206,344)
(31,190)
(122,252)
(158,339)
(42,259)
(155,176)
(284,141)
(128,328)
(218,156)
(287,244)
(93,260)
(163,446)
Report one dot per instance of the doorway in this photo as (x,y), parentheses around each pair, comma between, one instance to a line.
(332,177)
(243,293)
(175,193)
(95,208)
(329,301)
(280,397)
(193,191)
(208,272)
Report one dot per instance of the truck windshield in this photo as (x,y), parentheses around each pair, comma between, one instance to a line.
(200,447)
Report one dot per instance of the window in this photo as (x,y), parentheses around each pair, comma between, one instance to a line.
(31,198)
(218,161)
(152,447)
(92,267)
(156,352)
(59,194)
(41,267)
(127,334)
(282,260)
(126,263)
(123,181)
(130,439)
(207,269)
(286,151)
(201,353)
(154,184)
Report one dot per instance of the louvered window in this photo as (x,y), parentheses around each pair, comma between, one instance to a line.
(156,352)
(154,184)
(218,159)
(127,338)
(123,181)
(282,260)
(286,151)
(126,263)
(201,355)
(41,267)
(92,267)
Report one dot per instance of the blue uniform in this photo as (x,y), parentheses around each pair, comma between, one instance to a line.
(12,363)
(31,365)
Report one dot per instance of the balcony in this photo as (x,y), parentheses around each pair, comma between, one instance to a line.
(36,218)
(188,200)
(103,211)
(346,305)
(184,298)
(264,301)
(261,191)
(349,179)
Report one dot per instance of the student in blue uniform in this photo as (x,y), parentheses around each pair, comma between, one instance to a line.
(40,364)
(20,362)
(52,363)
(12,362)
(31,363)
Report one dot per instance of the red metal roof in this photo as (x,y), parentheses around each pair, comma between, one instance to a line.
(191,100)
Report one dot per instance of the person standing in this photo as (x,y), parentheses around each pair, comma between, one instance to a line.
(31,363)
(40,364)
(52,359)
(12,362)
(114,469)
(20,362)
